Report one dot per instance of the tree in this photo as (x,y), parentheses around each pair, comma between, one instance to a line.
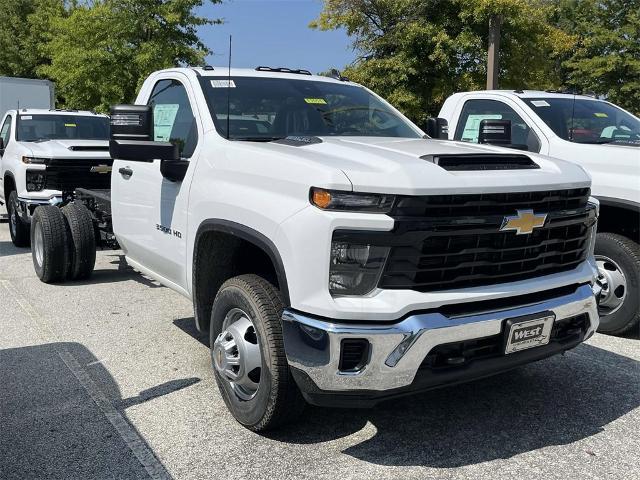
(101,52)
(25,29)
(418,52)
(606,57)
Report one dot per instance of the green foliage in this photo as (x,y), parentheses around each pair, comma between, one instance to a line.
(98,52)
(418,52)
(25,26)
(606,57)
(101,53)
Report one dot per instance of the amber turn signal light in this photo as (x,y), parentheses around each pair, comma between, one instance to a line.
(320,198)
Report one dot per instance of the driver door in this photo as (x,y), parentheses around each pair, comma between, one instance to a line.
(150,211)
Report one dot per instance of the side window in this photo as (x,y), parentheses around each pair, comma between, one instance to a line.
(173,119)
(5,131)
(474,111)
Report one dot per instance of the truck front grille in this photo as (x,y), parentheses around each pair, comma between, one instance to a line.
(454,241)
(69,174)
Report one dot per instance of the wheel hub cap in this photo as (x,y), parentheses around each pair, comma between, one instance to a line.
(613,283)
(39,244)
(13,220)
(236,354)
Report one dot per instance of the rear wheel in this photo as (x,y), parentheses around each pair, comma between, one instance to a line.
(50,244)
(18,228)
(618,260)
(82,241)
(248,354)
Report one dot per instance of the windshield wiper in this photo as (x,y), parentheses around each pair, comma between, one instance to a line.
(257,139)
(626,141)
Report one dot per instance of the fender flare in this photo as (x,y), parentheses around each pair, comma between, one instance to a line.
(619,203)
(245,233)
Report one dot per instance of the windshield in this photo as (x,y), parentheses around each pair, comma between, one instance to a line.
(39,128)
(588,121)
(263,109)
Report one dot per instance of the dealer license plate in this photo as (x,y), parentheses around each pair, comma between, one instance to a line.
(529,333)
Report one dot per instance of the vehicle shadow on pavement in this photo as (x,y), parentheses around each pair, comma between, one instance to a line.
(7,248)
(557,401)
(50,425)
(123,273)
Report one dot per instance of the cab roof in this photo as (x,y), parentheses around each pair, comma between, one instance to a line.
(259,72)
(534,94)
(43,111)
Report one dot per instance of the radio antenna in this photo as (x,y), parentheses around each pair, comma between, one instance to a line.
(229,89)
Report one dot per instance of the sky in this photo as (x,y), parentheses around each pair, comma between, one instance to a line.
(273,33)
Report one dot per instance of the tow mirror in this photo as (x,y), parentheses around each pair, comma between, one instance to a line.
(495,132)
(132,136)
(437,128)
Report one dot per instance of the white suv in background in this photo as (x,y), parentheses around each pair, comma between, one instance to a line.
(46,154)
(602,138)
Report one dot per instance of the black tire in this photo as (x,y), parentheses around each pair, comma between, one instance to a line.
(50,244)
(18,228)
(626,255)
(82,244)
(277,400)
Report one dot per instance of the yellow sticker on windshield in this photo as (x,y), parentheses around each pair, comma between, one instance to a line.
(72,125)
(601,115)
(316,101)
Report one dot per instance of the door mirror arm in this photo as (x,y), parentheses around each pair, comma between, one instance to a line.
(174,170)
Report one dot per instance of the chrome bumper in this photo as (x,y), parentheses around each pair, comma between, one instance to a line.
(24,205)
(397,350)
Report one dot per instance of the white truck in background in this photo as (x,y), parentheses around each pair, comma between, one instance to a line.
(44,156)
(597,135)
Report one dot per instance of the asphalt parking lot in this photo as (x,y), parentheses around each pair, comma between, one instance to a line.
(108,379)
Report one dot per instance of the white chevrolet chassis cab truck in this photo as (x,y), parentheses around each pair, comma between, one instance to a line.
(44,156)
(335,254)
(602,138)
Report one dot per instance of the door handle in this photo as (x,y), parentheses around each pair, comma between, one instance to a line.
(125,171)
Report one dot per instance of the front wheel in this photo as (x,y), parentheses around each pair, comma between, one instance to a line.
(18,228)
(618,260)
(248,356)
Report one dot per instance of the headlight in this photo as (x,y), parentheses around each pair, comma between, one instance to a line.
(35,160)
(35,181)
(350,201)
(355,269)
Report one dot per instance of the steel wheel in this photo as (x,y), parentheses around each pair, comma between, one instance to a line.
(13,218)
(236,354)
(38,246)
(613,283)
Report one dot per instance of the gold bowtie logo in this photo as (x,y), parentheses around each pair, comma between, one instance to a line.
(524,222)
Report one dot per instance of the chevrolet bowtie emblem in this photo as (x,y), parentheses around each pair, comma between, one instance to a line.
(524,222)
(100,169)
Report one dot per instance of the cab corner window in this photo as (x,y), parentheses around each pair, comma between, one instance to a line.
(474,111)
(173,119)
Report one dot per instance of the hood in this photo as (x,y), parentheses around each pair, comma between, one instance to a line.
(405,166)
(70,149)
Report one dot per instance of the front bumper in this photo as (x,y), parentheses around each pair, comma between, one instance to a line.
(28,205)
(395,358)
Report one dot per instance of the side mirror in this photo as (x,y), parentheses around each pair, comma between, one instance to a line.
(174,170)
(132,136)
(495,132)
(437,128)
(1,146)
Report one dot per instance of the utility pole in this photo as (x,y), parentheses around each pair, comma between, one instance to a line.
(493,55)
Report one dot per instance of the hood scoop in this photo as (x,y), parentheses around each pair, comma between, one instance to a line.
(89,148)
(482,161)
